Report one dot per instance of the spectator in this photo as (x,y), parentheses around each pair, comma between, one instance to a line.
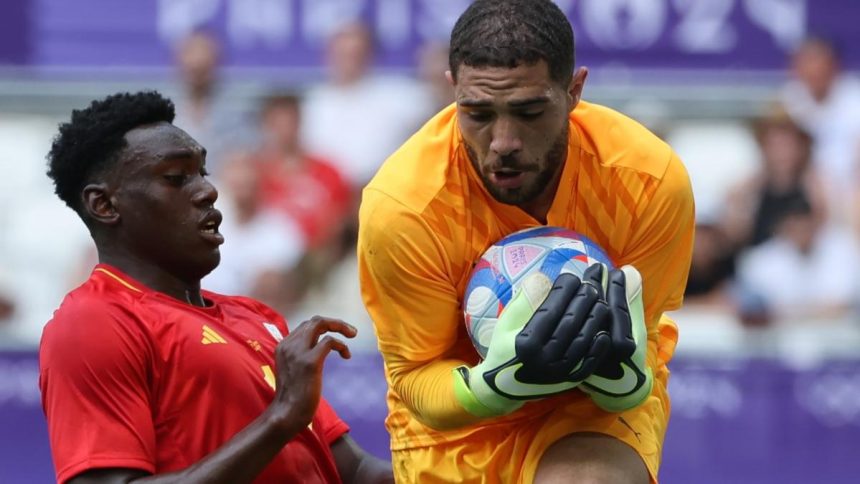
(711,270)
(261,247)
(306,187)
(786,174)
(804,272)
(202,109)
(357,119)
(38,260)
(826,103)
(432,64)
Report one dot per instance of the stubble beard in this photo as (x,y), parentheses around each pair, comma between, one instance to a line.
(553,162)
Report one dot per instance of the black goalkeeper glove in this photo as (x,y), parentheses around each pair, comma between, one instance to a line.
(623,379)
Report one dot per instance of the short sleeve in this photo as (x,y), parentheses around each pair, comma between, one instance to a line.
(94,374)
(327,424)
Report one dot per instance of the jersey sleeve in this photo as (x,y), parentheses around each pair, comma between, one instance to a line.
(413,304)
(94,374)
(662,246)
(327,424)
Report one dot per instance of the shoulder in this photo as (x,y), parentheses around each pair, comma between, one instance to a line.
(621,148)
(422,167)
(616,140)
(87,309)
(322,167)
(94,329)
(387,225)
(848,88)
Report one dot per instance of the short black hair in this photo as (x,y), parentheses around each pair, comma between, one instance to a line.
(507,33)
(94,136)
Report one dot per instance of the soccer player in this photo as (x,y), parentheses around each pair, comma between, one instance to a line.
(520,149)
(144,376)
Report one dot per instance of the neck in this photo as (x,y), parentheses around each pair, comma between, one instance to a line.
(154,277)
(200,94)
(289,149)
(347,80)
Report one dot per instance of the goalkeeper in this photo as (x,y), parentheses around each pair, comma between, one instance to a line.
(573,388)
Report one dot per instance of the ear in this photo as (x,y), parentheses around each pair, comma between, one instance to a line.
(450,77)
(574,90)
(99,204)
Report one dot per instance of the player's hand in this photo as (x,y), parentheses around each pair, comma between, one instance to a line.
(299,363)
(549,338)
(623,380)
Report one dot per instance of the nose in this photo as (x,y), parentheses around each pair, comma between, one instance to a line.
(206,195)
(506,140)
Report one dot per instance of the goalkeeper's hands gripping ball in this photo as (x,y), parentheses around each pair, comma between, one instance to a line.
(548,339)
(623,379)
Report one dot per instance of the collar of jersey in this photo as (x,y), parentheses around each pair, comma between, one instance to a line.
(120,277)
(129,283)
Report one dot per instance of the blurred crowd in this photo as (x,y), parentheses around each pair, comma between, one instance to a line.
(290,173)
(780,246)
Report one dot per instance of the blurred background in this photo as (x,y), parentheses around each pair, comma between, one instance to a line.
(299,101)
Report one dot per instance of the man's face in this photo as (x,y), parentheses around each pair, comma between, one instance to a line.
(198,61)
(816,67)
(349,54)
(515,126)
(165,205)
(280,126)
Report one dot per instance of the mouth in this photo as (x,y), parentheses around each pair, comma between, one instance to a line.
(506,178)
(209,227)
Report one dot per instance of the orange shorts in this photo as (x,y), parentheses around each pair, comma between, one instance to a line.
(510,453)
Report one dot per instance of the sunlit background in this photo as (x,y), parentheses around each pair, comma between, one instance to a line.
(299,101)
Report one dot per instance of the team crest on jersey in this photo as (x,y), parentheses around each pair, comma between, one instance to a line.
(274,331)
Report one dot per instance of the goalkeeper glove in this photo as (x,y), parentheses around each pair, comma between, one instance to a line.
(623,380)
(547,341)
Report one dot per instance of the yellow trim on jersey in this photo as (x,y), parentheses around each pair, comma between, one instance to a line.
(269,376)
(210,336)
(118,279)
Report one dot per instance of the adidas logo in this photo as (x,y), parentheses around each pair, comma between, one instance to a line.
(211,337)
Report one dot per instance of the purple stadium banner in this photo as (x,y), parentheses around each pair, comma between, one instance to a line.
(743,420)
(683,34)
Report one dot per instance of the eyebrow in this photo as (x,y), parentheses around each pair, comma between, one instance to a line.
(516,103)
(183,153)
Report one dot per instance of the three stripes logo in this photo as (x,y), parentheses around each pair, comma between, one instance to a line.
(211,337)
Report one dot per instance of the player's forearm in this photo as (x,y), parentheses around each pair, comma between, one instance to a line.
(243,457)
(428,391)
(372,470)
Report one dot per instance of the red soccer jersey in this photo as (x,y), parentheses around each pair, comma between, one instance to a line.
(133,378)
(316,196)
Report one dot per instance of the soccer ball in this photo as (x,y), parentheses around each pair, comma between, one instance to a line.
(498,273)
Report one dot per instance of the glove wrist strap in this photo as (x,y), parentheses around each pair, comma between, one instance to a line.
(467,398)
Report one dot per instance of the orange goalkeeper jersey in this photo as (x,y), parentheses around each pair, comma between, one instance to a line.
(426,218)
